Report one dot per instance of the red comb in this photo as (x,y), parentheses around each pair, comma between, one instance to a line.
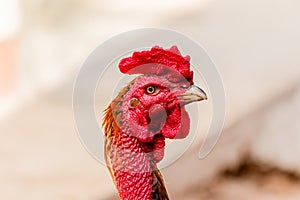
(158,61)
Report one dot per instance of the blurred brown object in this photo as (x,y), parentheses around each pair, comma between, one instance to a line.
(8,71)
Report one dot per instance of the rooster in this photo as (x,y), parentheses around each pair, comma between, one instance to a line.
(148,110)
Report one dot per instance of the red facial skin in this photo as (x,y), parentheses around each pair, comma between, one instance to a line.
(144,126)
(160,110)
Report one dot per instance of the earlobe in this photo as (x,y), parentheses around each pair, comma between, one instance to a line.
(134,102)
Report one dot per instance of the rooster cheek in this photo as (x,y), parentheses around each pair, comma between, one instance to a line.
(169,99)
(172,103)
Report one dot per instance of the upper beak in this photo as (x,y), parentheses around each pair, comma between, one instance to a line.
(192,94)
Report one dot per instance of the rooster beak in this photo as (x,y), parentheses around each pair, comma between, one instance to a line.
(192,94)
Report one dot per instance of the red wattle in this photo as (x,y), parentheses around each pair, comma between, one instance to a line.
(177,124)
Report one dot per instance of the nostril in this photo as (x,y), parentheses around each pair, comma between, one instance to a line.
(184,86)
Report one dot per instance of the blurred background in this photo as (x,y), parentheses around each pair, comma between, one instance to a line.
(255,45)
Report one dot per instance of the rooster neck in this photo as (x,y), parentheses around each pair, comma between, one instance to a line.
(133,170)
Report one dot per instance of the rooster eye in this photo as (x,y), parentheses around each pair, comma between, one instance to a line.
(151,89)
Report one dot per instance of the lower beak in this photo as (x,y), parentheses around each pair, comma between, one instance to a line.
(193,93)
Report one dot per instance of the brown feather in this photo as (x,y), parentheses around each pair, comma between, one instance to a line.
(159,191)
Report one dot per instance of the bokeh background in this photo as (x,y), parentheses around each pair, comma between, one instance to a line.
(255,45)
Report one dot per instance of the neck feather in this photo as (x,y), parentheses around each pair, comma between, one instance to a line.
(133,170)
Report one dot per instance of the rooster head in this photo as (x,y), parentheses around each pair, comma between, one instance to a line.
(153,104)
(145,112)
